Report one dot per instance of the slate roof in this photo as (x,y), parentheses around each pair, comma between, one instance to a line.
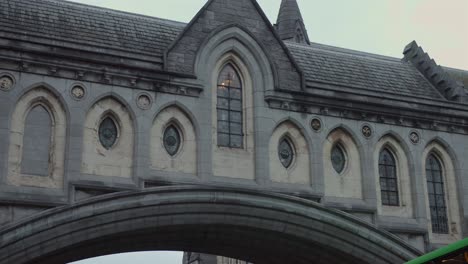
(342,67)
(101,27)
(110,29)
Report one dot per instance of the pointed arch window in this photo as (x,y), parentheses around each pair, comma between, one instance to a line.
(108,132)
(286,152)
(338,158)
(37,140)
(388,178)
(436,194)
(229,108)
(172,140)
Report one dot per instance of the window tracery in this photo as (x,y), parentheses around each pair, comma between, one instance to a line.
(108,133)
(286,152)
(338,158)
(172,140)
(436,194)
(388,178)
(229,108)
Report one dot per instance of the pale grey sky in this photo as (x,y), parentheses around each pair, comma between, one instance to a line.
(137,258)
(376,26)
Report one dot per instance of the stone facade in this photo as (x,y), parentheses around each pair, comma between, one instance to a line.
(56,89)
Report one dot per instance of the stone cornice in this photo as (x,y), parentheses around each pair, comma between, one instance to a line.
(438,116)
(128,73)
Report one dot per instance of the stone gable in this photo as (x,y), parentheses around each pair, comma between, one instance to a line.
(245,14)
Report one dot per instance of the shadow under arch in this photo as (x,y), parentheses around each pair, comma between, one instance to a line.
(182,108)
(445,146)
(118,98)
(402,143)
(256,226)
(346,129)
(299,127)
(50,89)
(234,39)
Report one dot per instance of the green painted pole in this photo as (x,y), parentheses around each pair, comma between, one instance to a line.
(440,252)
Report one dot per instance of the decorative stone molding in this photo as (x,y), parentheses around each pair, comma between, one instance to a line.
(366,130)
(144,101)
(414,137)
(7,82)
(448,87)
(78,92)
(316,124)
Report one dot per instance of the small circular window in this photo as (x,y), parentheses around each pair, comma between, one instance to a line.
(108,133)
(286,153)
(172,140)
(338,158)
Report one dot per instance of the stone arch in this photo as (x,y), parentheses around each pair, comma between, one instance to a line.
(116,161)
(348,183)
(185,160)
(239,34)
(53,177)
(448,161)
(233,39)
(299,171)
(216,220)
(401,153)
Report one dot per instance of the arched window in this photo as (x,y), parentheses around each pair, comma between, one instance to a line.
(388,178)
(286,152)
(229,108)
(108,132)
(172,140)
(338,158)
(36,142)
(436,194)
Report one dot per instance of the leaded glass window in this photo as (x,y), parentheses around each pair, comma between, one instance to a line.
(338,158)
(229,108)
(172,140)
(388,178)
(286,152)
(108,133)
(436,194)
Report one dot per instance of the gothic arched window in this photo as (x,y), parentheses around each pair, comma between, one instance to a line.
(229,108)
(388,178)
(36,142)
(338,158)
(436,194)
(108,132)
(286,152)
(172,140)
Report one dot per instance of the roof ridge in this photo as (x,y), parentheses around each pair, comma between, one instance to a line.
(345,51)
(115,11)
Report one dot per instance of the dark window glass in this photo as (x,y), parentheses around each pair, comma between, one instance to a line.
(338,158)
(436,193)
(229,108)
(108,133)
(172,140)
(285,152)
(388,178)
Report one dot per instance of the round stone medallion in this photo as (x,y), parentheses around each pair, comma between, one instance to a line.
(414,137)
(316,124)
(6,83)
(366,131)
(144,101)
(78,92)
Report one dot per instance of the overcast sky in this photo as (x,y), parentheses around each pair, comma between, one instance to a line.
(376,26)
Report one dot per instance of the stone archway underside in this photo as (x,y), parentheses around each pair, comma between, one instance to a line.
(259,227)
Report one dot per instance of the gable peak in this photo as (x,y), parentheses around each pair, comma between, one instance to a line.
(290,25)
